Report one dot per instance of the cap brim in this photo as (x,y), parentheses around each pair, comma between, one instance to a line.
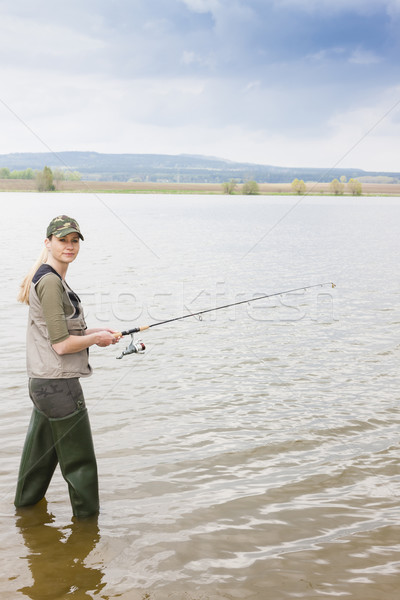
(64,232)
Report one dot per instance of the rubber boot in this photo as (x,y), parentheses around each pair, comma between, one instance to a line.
(75,452)
(38,461)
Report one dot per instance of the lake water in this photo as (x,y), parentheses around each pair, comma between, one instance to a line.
(252,454)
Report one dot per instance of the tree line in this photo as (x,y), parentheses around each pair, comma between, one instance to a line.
(336,187)
(46,180)
(5,173)
(249,188)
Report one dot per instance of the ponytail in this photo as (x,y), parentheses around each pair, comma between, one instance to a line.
(23,295)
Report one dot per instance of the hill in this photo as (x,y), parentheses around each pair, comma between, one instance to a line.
(183,168)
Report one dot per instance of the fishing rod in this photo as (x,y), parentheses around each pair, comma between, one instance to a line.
(139,347)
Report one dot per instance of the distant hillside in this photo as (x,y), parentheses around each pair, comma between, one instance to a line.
(183,168)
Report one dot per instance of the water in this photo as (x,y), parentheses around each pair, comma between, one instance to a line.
(250,455)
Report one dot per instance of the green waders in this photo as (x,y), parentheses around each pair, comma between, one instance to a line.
(39,459)
(68,441)
(74,446)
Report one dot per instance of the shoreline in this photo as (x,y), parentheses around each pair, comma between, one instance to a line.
(129,187)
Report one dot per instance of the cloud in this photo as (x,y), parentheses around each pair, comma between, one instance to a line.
(246,79)
(203,6)
(343,6)
(23,45)
(364,57)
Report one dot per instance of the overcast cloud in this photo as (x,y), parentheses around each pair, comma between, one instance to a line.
(281,82)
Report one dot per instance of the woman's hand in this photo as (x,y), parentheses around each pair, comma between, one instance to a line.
(105,337)
(105,340)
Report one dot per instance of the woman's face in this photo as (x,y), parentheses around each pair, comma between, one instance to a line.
(65,249)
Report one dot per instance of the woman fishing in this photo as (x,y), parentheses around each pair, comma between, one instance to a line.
(57,356)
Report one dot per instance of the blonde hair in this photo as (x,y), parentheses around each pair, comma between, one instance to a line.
(23,295)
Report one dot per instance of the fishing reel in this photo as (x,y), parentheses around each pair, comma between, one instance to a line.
(133,348)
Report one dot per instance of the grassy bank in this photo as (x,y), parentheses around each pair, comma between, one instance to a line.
(312,188)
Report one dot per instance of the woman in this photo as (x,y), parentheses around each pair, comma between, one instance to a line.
(57,356)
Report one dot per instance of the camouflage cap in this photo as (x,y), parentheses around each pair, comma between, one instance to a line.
(62,226)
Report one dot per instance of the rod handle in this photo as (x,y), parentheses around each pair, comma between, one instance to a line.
(119,334)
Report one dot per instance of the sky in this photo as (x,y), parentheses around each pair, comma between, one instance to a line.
(296,83)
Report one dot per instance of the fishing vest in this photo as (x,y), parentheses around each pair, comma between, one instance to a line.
(42,361)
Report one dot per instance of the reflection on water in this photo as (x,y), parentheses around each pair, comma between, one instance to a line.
(251,455)
(56,555)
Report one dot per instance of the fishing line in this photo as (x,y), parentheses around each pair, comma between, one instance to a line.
(85,184)
(105,397)
(295,205)
(138,347)
(324,175)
